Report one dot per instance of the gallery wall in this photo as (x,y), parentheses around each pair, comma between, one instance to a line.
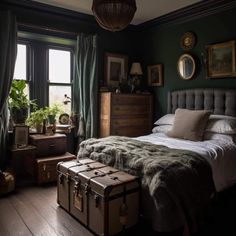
(161,44)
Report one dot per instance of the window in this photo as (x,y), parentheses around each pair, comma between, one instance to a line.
(20,66)
(46,64)
(20,72)
(59,78)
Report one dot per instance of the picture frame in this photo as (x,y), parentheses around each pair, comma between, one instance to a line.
(116,67)
(221,60)
(155,75)
(21,135)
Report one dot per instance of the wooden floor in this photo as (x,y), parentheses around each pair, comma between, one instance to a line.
(34,211)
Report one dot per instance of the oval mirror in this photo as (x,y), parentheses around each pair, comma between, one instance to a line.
(186,66)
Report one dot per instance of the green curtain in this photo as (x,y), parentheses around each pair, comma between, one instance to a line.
(85,85)
(8,49)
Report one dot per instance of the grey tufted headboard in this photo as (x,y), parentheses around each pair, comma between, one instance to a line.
(219,101)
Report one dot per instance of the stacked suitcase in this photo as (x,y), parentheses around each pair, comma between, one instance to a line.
(50,149)
(102,198)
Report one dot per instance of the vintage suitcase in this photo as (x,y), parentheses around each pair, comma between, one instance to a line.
(67,170)
(46,168)
(48,145)
(102,198)
(7,183)
(112,200)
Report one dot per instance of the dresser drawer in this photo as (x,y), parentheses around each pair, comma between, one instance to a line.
(127,110)
(49,145)
(129,99)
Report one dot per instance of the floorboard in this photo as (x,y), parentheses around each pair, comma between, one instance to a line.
(31,217)
(10,221)
(57,218)
(33,211)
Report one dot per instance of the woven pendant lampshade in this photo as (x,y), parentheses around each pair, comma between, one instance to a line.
(114,15)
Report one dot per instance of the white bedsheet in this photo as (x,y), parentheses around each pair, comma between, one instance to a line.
(220,152)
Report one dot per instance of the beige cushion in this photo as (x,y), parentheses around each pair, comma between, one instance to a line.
(189,124)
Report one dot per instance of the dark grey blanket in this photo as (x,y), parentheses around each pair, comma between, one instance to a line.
(183,176)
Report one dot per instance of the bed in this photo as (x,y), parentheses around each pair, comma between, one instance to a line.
(187,173)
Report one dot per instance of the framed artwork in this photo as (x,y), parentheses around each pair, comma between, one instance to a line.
(116,67)
(188,41)
(21,135)
(221,60)
(155,77)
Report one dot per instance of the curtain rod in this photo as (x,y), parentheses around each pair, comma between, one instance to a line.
(52,30)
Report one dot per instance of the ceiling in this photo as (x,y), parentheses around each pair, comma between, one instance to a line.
(146,9)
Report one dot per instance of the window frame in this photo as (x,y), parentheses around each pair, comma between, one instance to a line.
(61,48)
(37,63)
(29,63)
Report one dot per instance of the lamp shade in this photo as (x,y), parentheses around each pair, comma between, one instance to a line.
(136,69)
(114,15)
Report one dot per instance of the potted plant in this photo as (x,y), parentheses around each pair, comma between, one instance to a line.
(52,112)
(36,119)
(18,102)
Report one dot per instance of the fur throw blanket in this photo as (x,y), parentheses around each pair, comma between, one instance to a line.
(184,175)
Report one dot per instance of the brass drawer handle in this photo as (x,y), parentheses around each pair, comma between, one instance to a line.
(44,167)
(51,145)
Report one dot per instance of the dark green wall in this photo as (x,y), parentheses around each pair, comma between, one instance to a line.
(161,44)
(155,44)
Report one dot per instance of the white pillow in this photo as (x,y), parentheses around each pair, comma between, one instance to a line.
(216,136)
(162,128)
(221,124)
(167,119)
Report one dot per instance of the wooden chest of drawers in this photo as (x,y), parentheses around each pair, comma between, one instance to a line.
(46,167)
(49,145)
(125,114)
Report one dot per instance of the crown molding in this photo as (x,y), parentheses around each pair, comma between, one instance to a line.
(47,9)
(194,11)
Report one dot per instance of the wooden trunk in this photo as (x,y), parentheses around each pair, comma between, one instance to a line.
(46,168)
(48,145)
(102,198)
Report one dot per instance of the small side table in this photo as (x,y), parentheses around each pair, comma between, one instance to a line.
(22,162)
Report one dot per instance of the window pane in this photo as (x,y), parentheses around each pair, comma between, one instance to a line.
(59,66)
(20,66)
(57,95)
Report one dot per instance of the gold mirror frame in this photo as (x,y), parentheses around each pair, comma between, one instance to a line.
(186,66)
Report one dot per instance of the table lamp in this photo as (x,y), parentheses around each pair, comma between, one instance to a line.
(136,73)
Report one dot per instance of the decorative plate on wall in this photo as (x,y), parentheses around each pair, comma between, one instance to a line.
(188,41)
